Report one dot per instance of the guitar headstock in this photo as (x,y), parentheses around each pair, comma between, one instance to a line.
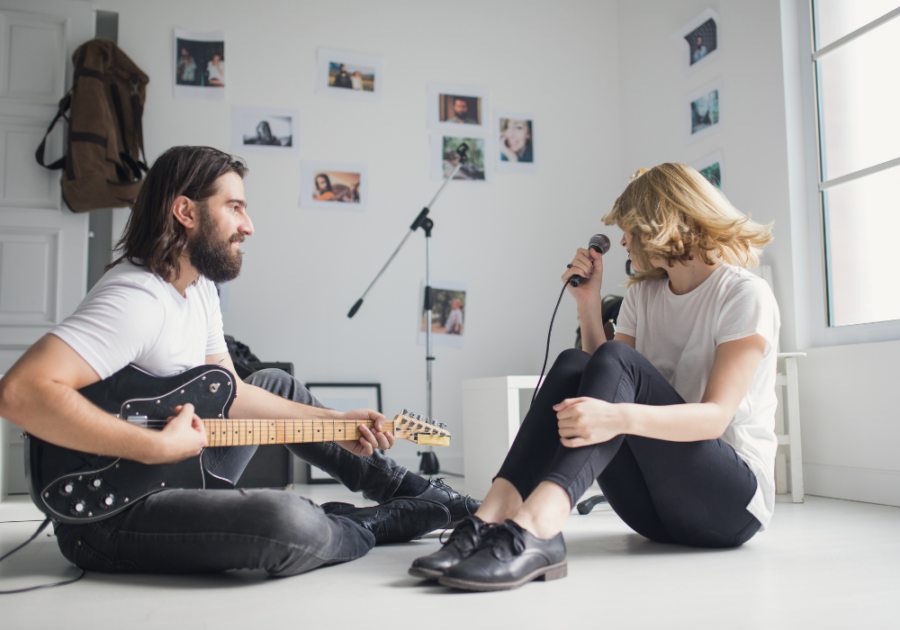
(412,427)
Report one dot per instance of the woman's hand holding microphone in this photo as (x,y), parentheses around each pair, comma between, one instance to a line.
(587,268)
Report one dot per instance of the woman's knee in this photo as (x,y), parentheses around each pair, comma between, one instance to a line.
(570,363)
(613,353)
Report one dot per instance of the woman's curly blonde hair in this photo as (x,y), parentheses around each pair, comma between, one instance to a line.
(671,210)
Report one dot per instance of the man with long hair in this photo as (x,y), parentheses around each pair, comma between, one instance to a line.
(157,309)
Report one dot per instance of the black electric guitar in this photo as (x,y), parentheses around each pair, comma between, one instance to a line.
(74,487)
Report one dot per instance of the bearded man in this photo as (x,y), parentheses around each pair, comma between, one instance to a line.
(157,308)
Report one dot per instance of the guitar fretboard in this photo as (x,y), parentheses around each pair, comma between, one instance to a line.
(234,432)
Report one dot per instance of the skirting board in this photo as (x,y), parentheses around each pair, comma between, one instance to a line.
(854,484)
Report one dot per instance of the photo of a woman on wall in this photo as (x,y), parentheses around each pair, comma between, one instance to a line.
(515,140)
(324,191)
(674,418)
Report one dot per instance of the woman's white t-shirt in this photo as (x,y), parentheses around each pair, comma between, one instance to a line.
(134,316)
(679,335)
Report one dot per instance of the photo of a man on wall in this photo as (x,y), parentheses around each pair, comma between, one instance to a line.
(463,110)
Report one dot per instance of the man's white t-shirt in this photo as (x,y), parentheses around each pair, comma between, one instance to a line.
(679,335)
(134,316)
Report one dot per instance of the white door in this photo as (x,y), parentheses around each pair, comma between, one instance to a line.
(43,245)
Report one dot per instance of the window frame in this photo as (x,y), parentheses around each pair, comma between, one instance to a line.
(824,333)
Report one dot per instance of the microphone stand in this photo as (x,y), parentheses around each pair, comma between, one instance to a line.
(429,464)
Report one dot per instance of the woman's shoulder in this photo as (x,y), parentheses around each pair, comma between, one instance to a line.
(740,278)
(738,283)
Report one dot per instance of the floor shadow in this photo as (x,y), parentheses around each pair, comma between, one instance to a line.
(630,545)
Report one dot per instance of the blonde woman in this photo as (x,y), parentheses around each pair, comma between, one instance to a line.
(674,418)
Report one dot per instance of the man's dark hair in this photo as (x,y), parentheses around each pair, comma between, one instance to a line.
(153,238)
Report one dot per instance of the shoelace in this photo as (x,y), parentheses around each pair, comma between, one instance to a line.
(468,531)
(507,542)
(440,485)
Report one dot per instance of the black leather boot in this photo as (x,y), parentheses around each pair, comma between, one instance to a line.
(508,559)
(395,521)
(462,543)
(459,506)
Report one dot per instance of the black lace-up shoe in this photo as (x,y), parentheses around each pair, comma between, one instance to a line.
(395,521)
(462,543)
(459,506)
(508,559)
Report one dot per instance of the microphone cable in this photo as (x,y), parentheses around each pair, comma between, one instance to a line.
(547,351)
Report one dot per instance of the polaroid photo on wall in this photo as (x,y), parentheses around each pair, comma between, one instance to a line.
(265,130)
(334,185)
(515,143)
(445,155)
(199,64)
(448,314)
(458,110)
(699,40)
(702,111)
(349,75)
(712,168)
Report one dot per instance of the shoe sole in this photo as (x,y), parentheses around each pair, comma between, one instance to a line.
(553,572)
(426,574)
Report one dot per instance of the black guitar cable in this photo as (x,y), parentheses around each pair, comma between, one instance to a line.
(41,528)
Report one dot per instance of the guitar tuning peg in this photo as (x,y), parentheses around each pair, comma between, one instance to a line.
(404,412)
(428,420)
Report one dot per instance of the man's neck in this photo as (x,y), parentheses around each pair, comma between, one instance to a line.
(187,277)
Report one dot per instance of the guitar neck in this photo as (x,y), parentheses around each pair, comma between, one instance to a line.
(233,432)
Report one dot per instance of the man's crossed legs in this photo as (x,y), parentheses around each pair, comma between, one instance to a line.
(195,531)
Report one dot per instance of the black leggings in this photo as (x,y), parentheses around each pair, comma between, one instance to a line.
(692,493)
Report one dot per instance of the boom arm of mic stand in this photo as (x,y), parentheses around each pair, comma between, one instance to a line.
(412,228)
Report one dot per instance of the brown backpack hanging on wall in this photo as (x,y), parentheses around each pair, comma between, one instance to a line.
(105,140)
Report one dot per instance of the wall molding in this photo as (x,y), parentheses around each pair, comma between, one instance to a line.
(855,484)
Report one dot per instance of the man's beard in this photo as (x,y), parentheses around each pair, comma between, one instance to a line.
(214,258)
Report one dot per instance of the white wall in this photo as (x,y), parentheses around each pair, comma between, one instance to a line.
(509,240)
(849,417)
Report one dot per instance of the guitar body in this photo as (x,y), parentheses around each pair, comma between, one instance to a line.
(76,488)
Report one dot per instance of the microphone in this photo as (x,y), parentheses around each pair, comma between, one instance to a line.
(599,243)
(461,151)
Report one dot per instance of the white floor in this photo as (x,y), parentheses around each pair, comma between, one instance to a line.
(822,564)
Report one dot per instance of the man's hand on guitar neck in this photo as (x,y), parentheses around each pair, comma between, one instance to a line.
(369,440)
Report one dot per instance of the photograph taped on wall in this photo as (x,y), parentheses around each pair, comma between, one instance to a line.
(334,185)
(453,106)
(703,111)
(349,75)
(199,64)
(447,314)
(515,143)
(265,130)
(445,157)
(711,167)
(342,397)
(700,40)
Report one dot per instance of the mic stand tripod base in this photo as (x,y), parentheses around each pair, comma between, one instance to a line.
(429,464)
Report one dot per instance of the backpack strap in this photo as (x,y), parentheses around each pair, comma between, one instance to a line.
(137,167)
(64,104)
(137,109)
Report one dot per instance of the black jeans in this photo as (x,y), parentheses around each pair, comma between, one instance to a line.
(194,531)
(692,493)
